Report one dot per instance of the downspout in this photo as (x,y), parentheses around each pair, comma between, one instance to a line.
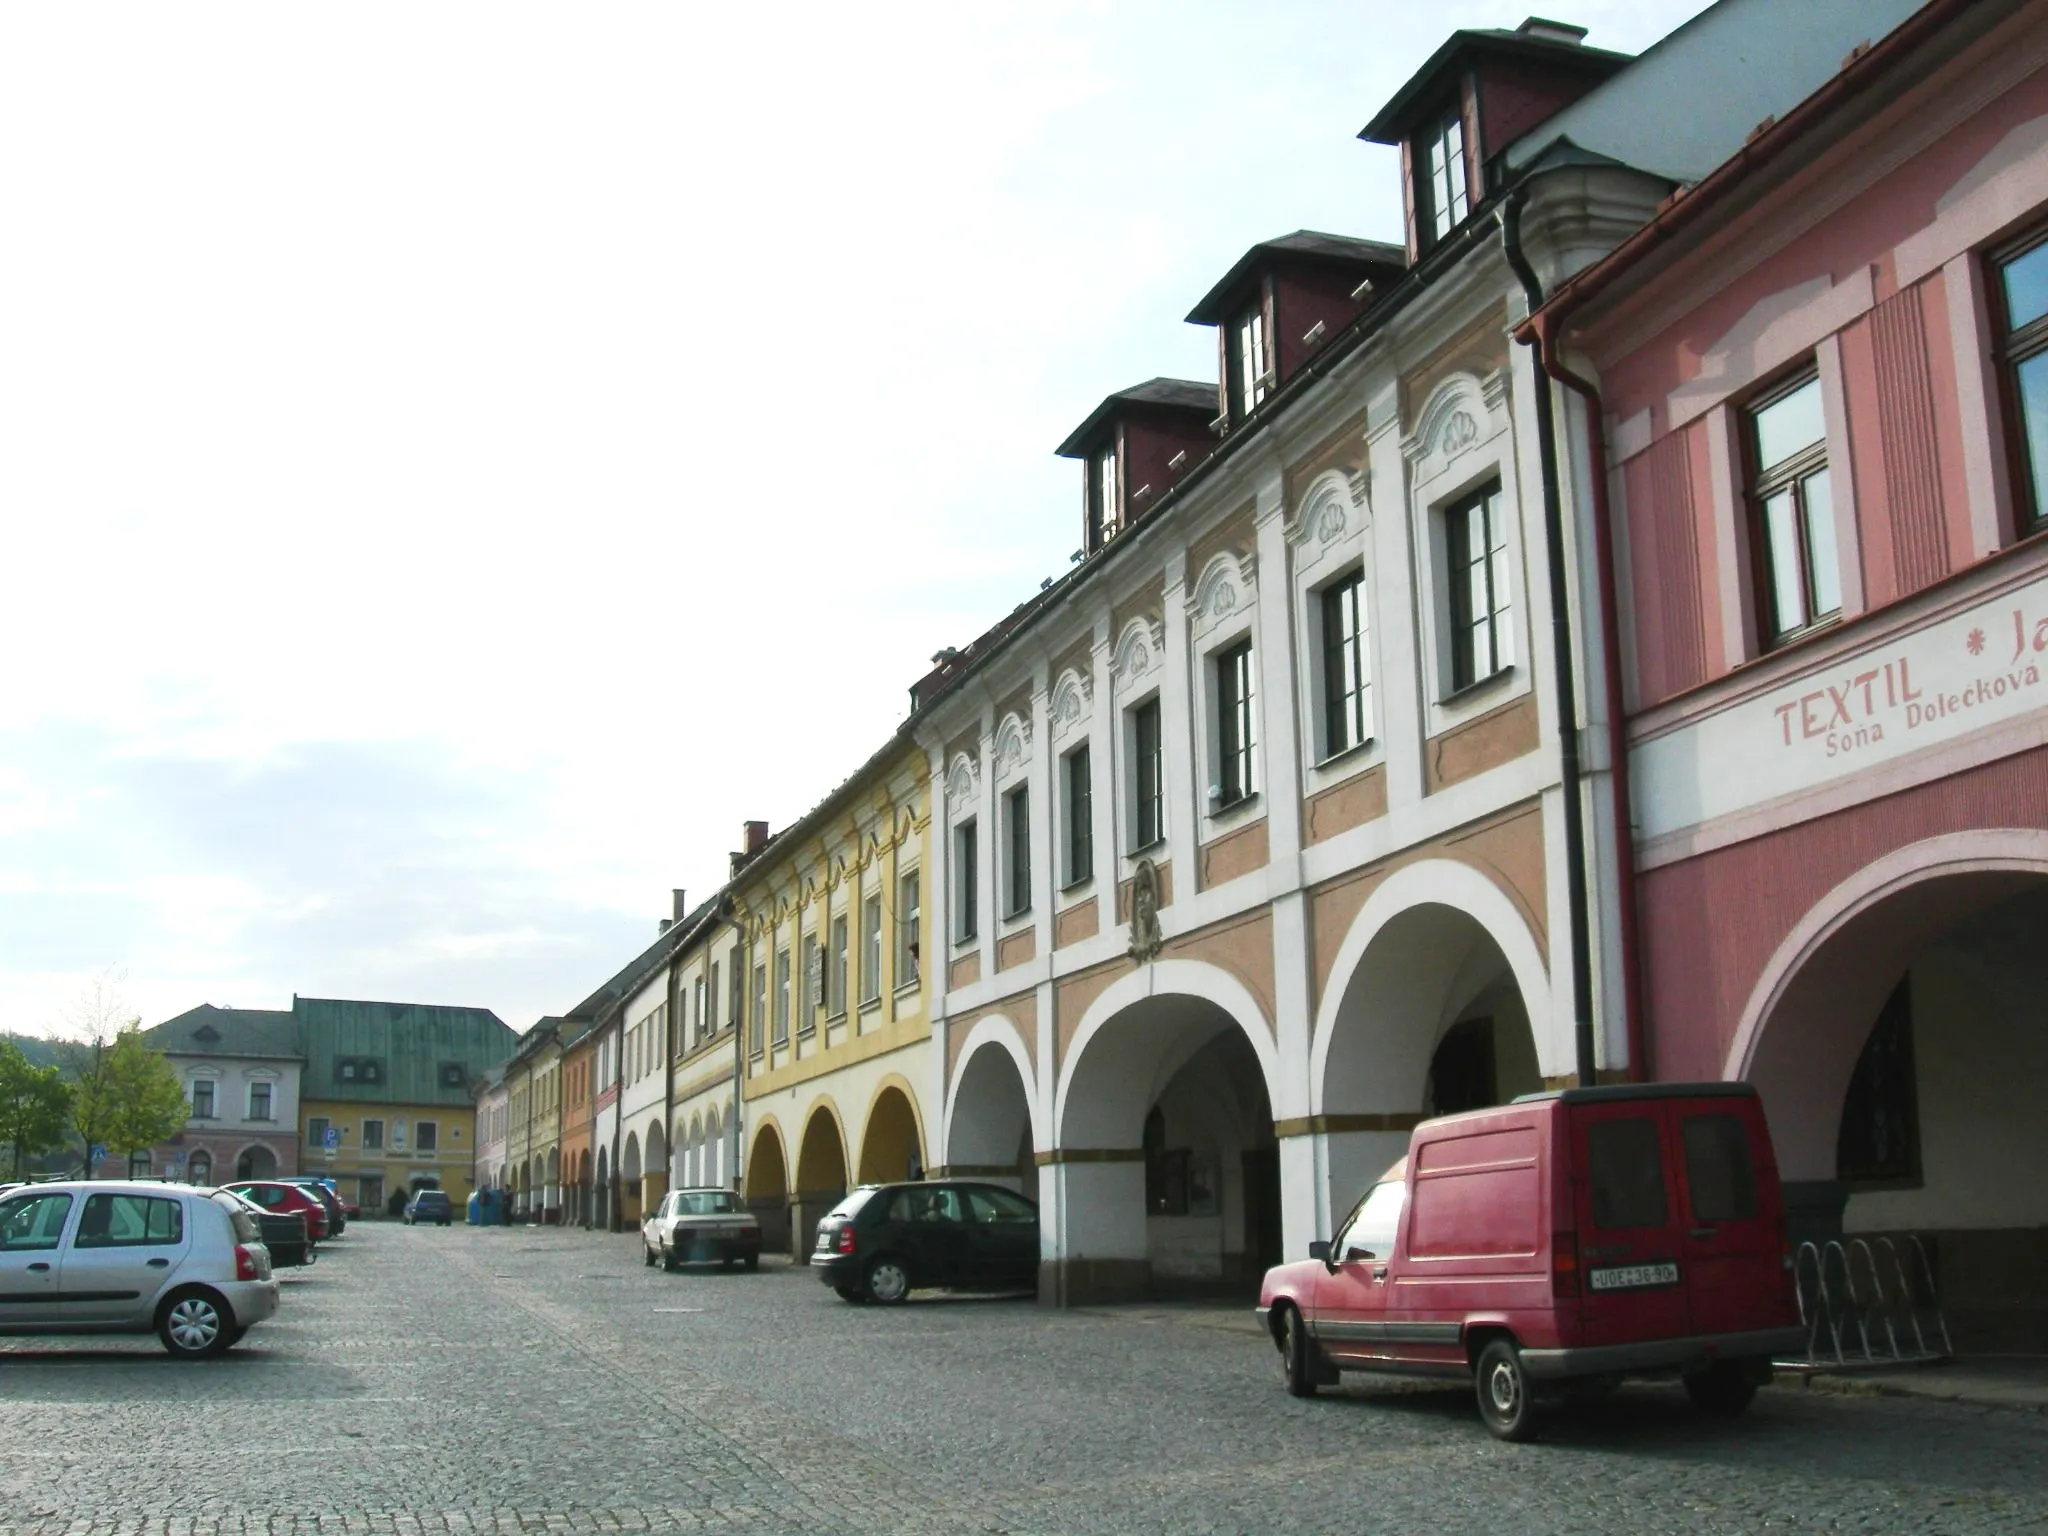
(611,1216)
(1563,682)
(743,971)
(1617,723)
(668,1071)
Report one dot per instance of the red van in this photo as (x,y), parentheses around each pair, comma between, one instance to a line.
(1558,1243)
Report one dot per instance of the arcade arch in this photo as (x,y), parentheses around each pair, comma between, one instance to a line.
(891,1145)
(654,1180)
(820,1168)
(767,1184)
(989,1124)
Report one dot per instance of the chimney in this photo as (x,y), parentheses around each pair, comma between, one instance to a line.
(757,837)
(662,925)
(681,909)
(1552,31)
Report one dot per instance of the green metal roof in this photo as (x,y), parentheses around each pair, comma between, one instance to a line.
(210,1031)
(416,1048)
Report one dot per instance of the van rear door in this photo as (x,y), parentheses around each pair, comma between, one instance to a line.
(1630,1237)
(1734,1215)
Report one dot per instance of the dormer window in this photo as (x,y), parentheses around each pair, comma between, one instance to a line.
(1247,361)
(1102,495)
(1442,195)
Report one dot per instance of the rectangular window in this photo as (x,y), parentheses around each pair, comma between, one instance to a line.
(1878,1145)
(1017,851)
(1793,512)
(130,1221)
(1080,819)
(1247,362)
(259,1101)
(835,991)
(2023,350)
(1102,496)
(1347,670)
(1443,196)
(760,1017)
(1625,1158)
(373,1135)
(1476,550)
(909,915)
(316,1131)
(1718,1172)
(1233,725)
(202,1099)
(782,997)
(426,1136)
(1148,778)
(966,881)
(813,984)
(871,949)
(704,994)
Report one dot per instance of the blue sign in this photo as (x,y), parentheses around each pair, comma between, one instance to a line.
(96,1153)
(332,1138)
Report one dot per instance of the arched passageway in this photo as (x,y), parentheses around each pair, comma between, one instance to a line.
(714,1152)
(1900,1044)
(551,1201)
(601,1192)
(629,1181)
(989,1128)
(1165,1173)
(767,1186)
(820,1175)
(890,1148)
(257,1162)
(1433,1019)
(654,1178)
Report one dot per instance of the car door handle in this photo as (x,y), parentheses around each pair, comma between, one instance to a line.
(39,1269)
(159,1263)
(1379,1271)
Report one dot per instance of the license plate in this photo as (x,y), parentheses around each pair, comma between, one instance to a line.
(824,1241)
(1632,1277)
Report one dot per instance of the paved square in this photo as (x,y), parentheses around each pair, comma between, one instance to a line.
(496,1380)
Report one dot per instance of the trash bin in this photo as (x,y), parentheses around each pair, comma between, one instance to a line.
(475,1210)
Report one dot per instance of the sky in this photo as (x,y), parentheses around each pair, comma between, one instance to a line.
(459,462)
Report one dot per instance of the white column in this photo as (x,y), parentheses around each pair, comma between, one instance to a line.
(1183,755)
(1396,624)
(987,920)
(1106,793)
(1043,777)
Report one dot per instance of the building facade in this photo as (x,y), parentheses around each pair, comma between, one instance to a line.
(241,1070)
(578,1060)
(1820,375)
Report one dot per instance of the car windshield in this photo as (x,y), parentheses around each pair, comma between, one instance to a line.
(706,1202)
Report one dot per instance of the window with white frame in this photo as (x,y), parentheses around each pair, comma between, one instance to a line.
(1794,511)
(813,977)
(1481,604)
(760,1014)
(1103,509)
(909,913)
(202,1098)
(373,1135)
(835,977)
(871,948)
(1346,665)
(1017,851)
(1442,195)
(703,1013)
(1246,360)
(426,1136)
(966,880)
(782,997)
(259,1101)
(1147,776)
(1232,671)
(1079,828)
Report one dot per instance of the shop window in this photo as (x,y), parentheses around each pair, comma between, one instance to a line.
(1878,1146)
(2023,351)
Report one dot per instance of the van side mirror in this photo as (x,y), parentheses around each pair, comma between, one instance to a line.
(1319,1250)
(1357,1253)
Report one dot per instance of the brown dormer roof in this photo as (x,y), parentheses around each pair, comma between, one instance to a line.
(1304,245)
(1157,394)
(1550,43)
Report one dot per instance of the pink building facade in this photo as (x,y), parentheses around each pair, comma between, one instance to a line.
(1823,398)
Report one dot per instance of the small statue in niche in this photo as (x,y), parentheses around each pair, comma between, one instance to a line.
(1145,935)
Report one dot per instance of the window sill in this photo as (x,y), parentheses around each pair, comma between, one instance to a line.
(1018,914)
(1076,886)
(869,1004)
(1144,851)
(1474,689)
(1220,809)
(1338,759)
(908,986)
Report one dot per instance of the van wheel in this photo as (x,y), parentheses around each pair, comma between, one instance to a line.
(1504,1401)
(1296,1369)
(1723,1390)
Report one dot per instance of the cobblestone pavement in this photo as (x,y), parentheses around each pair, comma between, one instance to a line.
(421,1380)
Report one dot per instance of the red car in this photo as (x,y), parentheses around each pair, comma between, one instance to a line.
(1560,1242)
(287,1198)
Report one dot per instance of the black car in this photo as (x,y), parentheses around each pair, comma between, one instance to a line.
(884,1241)
(429,1205)
(284,1233)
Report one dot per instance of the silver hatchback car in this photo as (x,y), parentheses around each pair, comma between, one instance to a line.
(109,1257)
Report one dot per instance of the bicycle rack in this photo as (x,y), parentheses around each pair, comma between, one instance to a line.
(1860,1309)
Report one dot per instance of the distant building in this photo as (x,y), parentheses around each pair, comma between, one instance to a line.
(241,1069)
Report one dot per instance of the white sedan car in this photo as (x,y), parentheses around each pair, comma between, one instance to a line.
(701,1224)
(100,1256)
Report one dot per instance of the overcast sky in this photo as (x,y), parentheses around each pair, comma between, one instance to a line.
(458,462)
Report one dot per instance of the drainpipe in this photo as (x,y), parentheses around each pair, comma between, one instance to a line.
(1617,724)
(611,1216)
(1563,681)
(743,974)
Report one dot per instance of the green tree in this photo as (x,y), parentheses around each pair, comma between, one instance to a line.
(35,1107)
(127,1097)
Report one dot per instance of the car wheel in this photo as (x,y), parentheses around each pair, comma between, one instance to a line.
(1504,1401)
(752,1261)
(670,1259)
(1722,1390)
(443,1221)
(886,1280)
(850,1293)
(195,1325)
(1296,1368)
(646,1254)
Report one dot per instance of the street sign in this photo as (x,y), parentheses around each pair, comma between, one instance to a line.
(332,1138)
